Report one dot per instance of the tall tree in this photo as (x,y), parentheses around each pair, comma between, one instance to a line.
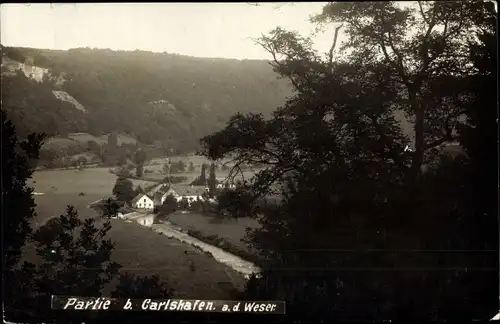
(139,190)
(212,180)
(140,158)
(74,254)
(166,168)
(202,179)
(17,212)
(113,140)
(88,261)
(123,190)
(335,155)
(17,200)
(422,44)
(139,171)
(110,208)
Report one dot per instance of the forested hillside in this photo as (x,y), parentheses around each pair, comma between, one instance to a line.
(158,98)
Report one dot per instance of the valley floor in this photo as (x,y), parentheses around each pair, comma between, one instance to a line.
(191,272)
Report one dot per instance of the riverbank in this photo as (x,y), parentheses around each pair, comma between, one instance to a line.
(235,262)
(220,250)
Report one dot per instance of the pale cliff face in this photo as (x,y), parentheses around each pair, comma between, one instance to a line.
(34,72)
(31,71)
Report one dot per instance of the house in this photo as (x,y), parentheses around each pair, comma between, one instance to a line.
(143,201)
(161,194)
(171,191)
(159,188)
(190,193)
(224,183)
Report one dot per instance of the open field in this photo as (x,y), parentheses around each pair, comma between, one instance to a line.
(63,187)
(83,138)
(157,167)
(232,230)
(189,271)
(193,275)
(92,181)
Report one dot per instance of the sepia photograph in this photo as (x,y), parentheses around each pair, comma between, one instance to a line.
(264,161)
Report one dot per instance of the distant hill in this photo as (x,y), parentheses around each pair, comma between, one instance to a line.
(166,98)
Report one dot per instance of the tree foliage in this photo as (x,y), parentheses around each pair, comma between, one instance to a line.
(169,206)
(138,190)
(352,234)
(212,180)
(123,190)
(32,107)
(112,140)
(202,179)
(177,167)
(17,162)
(73,255)
(423,46)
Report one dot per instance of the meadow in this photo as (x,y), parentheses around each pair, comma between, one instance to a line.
(232,230)
(189,271)
(156,167)
(58,142)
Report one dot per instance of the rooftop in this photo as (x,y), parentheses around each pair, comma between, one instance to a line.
(138,197)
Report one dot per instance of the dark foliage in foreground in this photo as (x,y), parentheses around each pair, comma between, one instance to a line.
(74,255)
(367,230)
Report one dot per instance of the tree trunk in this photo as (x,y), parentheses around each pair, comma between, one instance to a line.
(419,134)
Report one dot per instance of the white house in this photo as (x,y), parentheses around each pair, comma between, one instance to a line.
(189,198)
(223,183)
(143,201)
(190,193)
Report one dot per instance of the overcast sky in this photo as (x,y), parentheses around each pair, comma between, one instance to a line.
(195,29)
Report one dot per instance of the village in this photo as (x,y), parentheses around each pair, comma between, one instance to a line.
(145,207)
(154,208)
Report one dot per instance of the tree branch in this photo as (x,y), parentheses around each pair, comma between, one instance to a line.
(422,13)
(439,142)
(262,187)
(272,50)
(399,60)
(330,54)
